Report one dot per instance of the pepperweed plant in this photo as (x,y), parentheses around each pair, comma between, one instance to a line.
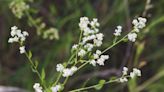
(83,53)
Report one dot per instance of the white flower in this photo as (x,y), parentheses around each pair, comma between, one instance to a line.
(84,21)
(136,72)
(125,71)
(95,56)
(81,53)
(67,72)
(74,47)
(93,62)
(94,23)
(118,31)
(98,52)
(37,87)
(16,35)
(14,28)
(124,79)
(59,67)
(22,49)
(98,43)
(14,39)
(132,37)
(139,23)
(56,88)
(100,61)
(102,58)
(88,46)
(132,75)
(100,36)
(25,33)
(105,56)
(74,69)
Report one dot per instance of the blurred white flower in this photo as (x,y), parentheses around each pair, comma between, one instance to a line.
(81,53)
(132,37)
(22,49)
(59,67)
(37,87)
(125,71)
(56,88)
(118,31)
(135,72)
(139,23)
(123,79)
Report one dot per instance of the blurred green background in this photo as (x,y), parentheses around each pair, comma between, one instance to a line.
(147,53)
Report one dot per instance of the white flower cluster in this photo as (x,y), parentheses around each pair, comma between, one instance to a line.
(66,71)
(118,31)
(18,7)
(138,23)
(134,73)
(91,38)
(37,87)
(51,33)
(18,36)
(56,88)
(98,58)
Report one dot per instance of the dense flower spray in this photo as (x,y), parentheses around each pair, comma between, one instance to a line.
(83,53)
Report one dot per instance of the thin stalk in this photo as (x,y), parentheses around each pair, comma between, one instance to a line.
(93,86)
(114,44)
(35,68)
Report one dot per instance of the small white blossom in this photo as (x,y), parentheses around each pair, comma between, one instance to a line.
(139,23)
(81,53)
(100,36)
(22,49)
(125,71)
(57,88)
(74,47)
(95,56)
(88,46)
(135,72)
(59,67)
(74,69)
(93,62)
(37,87)
(118,31)
(98,43)
(84,21)
(67,72)
(124,79)
(102,59)
(98,52)
(17,35)
(132,37)
(94,23)
(132,75)
(25,33)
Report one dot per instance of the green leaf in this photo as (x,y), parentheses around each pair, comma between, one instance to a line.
(43,74)
(36,63)
(30,54)
(100,84)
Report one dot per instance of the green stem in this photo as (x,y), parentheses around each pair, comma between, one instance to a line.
(58,78)
(36,71)
(93,86)
(114,44)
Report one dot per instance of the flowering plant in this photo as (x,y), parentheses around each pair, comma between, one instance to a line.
(83,53)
